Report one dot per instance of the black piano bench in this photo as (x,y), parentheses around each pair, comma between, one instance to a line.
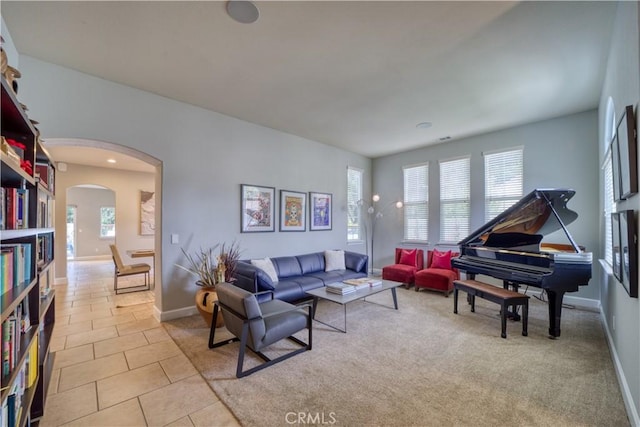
(504,297)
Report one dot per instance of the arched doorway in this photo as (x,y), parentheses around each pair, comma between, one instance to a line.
(82,162)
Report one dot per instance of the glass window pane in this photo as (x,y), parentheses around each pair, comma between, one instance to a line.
(503,181)
(416,202)
(354,196)
(455,197)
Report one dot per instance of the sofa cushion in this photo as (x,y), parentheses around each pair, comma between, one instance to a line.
(334,260)
(355,262)
(337,275)
(288,290)
(287,266)
(311,263)
(266,266)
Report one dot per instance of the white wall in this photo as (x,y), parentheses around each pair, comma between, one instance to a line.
(622,84)
(558,153)
(9,48)
(205,157)
(88,202)
(124,187)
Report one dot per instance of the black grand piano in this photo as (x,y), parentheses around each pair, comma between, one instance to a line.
(510,248)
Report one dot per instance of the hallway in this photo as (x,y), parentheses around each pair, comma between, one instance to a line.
(115,364)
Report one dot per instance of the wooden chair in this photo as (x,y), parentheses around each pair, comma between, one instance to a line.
(122,270)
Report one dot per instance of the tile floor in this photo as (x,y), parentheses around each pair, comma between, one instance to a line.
(115,365)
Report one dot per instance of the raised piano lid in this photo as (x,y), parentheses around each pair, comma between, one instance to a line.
(523,225)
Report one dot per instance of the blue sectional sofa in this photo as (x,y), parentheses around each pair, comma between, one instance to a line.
(297,274)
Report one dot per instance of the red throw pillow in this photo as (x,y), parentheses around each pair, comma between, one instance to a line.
(408,257)
(441,260)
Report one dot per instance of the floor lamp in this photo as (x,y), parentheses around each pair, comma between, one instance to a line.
(373,217)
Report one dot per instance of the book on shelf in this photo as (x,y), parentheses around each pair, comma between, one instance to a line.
(364,282)
(16,325)
(15,265)
(340,288)
(15,208)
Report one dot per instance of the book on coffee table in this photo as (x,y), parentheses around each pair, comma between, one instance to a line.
(340,288)
(363,282)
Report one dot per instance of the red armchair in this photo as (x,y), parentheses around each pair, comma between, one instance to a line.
(439,275)
(407,263)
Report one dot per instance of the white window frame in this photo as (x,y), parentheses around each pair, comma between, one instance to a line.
(455,199)
(416,204)
(354,206)
(496,164)
(102,225)
(609,205)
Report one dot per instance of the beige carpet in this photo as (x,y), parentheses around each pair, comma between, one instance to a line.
(422,365)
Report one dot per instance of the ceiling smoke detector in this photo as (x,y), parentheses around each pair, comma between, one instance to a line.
(242,11)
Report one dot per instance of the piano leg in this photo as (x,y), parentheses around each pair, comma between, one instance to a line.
(555,310)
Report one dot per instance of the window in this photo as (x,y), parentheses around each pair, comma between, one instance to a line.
(503,181)
(108,222)
(608,208)
(607,171)
(416,202)
(354,198)
(455,194)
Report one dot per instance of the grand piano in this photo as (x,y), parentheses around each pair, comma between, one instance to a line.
(510,248)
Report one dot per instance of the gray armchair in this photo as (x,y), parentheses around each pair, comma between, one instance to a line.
(258,325)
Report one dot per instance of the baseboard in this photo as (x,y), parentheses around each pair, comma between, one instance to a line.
(632,411)
(577,302)
(163,316)
(90,258)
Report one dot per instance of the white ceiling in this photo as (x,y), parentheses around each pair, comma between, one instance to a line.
(358,75)
(94,153)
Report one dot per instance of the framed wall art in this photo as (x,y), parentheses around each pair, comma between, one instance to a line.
(615,169)
(615,245)
(257,208)
(147,213)
(293,208)
(626,137)
(629,252)
(320,206)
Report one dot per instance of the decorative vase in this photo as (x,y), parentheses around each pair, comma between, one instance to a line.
(205,297)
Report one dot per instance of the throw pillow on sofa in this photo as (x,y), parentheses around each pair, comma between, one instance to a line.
(267,266)
(408,257)
(334,260)
(441,260)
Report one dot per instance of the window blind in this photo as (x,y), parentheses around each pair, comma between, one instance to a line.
(354,195)
(455,195)
(608,208)
(416,202)
(503,181)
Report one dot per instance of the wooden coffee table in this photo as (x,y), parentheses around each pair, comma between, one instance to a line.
(361,294)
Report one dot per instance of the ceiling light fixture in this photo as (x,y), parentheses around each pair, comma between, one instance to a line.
(111,160)
(242,11)
(424,125)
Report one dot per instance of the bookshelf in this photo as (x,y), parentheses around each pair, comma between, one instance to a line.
(27,300)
